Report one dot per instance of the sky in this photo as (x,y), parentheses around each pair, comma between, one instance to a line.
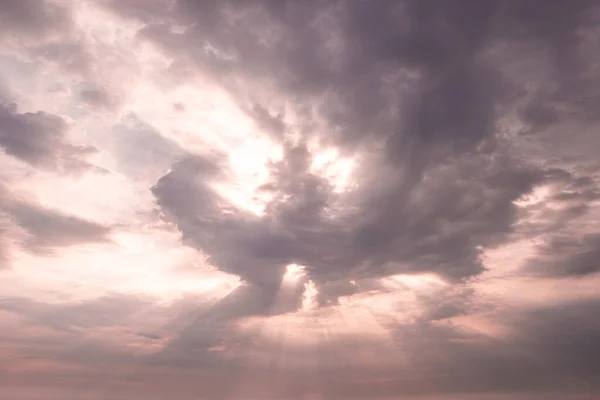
(299,199)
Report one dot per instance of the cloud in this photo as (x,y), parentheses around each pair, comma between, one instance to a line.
(96,98)
(376,230)
(4,254)
(567,256)
(412,90)
(152,336)
(455,361)
(538,350)
(70,55)
(142,151)
(39,139)
(32,17)
(419,159)
(47,229)
(545,349)
(417,79)
(111,310)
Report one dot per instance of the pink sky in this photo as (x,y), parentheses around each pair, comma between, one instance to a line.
(304,200)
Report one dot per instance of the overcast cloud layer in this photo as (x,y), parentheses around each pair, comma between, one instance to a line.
(299,199)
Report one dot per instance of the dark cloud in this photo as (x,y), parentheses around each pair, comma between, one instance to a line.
(210,223)
(419,79)
(358,55)
(374,232)
(39,139)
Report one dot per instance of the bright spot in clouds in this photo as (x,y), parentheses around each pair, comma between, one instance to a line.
(309,296)
(294,271)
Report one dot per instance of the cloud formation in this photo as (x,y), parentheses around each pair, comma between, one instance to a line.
(39,139)
(300,199)
(46,229)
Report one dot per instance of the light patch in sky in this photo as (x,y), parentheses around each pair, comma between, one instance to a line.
(145,262)
(294,271)
(414,282)
(336,169)
(309,297)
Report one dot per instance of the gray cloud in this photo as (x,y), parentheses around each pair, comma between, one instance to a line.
(419,79)
(96,98)
(47,229)
(381,230)
(572,255)
(567,244)
(33,17)
(209,329)
(39,139)
(111,310)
